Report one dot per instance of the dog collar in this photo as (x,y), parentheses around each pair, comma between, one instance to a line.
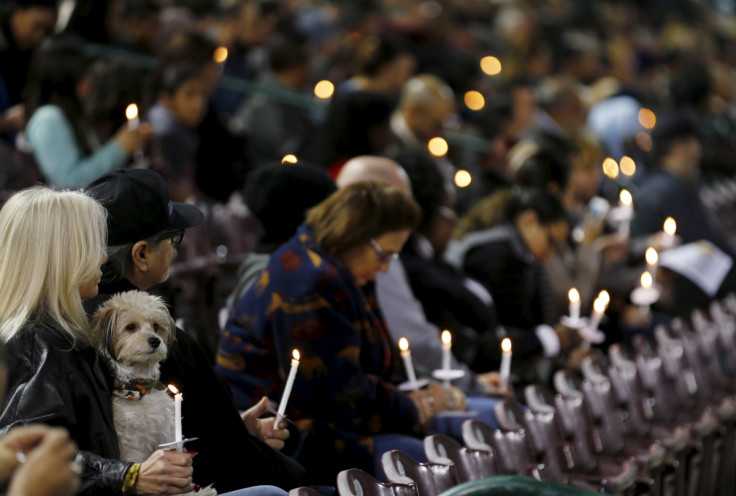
(136,389)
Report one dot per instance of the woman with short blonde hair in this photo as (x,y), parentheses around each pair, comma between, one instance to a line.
(51,243)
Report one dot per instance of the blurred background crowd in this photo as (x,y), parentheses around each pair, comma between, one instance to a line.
(581,99)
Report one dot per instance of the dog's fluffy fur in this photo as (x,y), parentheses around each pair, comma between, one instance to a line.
(133,331)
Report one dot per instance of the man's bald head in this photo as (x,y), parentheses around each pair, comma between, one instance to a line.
(426,103)
(372,168)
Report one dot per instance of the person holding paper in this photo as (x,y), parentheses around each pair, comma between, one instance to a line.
(671,190)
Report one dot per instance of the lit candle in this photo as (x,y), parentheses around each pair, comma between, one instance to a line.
(646,280)
(287,387)
(177,417)
(406,357)
(625,201)
(505,360)
(599,308)
(446,346)
(670,228)
(652,258)
(574,297)
(131,113)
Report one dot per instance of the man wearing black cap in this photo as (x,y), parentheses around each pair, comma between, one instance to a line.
(144,226)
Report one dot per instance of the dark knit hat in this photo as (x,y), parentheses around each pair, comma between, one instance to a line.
(138,206)
(279,195)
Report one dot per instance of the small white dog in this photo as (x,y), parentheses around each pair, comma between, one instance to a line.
(133,331)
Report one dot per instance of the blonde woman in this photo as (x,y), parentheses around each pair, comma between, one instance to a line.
(52,244)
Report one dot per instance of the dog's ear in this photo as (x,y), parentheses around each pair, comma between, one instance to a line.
(172,329)
(104,323)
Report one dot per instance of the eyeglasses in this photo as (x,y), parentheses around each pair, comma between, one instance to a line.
(382,255)
(174,236)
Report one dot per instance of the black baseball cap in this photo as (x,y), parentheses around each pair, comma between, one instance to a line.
(139,206)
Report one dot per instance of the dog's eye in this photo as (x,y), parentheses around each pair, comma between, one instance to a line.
(130,327)
(155,327)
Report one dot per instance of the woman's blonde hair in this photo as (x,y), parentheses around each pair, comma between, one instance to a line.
(353,215)
(51,243)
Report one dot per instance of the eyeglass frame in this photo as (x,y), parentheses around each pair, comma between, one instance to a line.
(175,237)
(385,258)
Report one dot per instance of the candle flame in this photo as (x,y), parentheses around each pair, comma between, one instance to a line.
(324,89)
(670,226)
(610,168)
(599,305)
(647,118)
(173,389)
(446,337)
(289,159)
(604,297)
(625,198)
(403,344)
(491,65)
(506,345)
(573,295)
(651,256)
(438,147)
(463,178)
(295,354)
(220,54)
(627,166)
(474,100)
(131,111)
(646,280)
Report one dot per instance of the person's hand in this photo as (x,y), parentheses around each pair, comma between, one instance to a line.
(132,140)
(661,241)
(165,472)
(425,407)
(48,468)
(447,398)
(493,384)
(569,338)
(263,428)
(13,120)
(575,357)
(613,247)
(592,228)
(18,439)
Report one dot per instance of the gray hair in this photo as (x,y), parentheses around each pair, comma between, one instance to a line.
(119,259)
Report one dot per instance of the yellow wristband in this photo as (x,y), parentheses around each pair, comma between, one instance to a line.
(131,477)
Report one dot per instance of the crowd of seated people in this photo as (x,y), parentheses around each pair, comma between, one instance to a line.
(332,177)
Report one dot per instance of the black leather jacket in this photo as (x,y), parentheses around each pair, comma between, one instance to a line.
(59,382)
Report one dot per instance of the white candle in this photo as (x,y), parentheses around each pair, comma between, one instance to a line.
(406,357)
(670,228)
(446,346)
(287,387)
(505,360)
(652,259)
(599,308)
(131,113)
(625,201)
(177,417)
(574,298)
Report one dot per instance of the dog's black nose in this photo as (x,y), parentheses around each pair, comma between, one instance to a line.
(154,342)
